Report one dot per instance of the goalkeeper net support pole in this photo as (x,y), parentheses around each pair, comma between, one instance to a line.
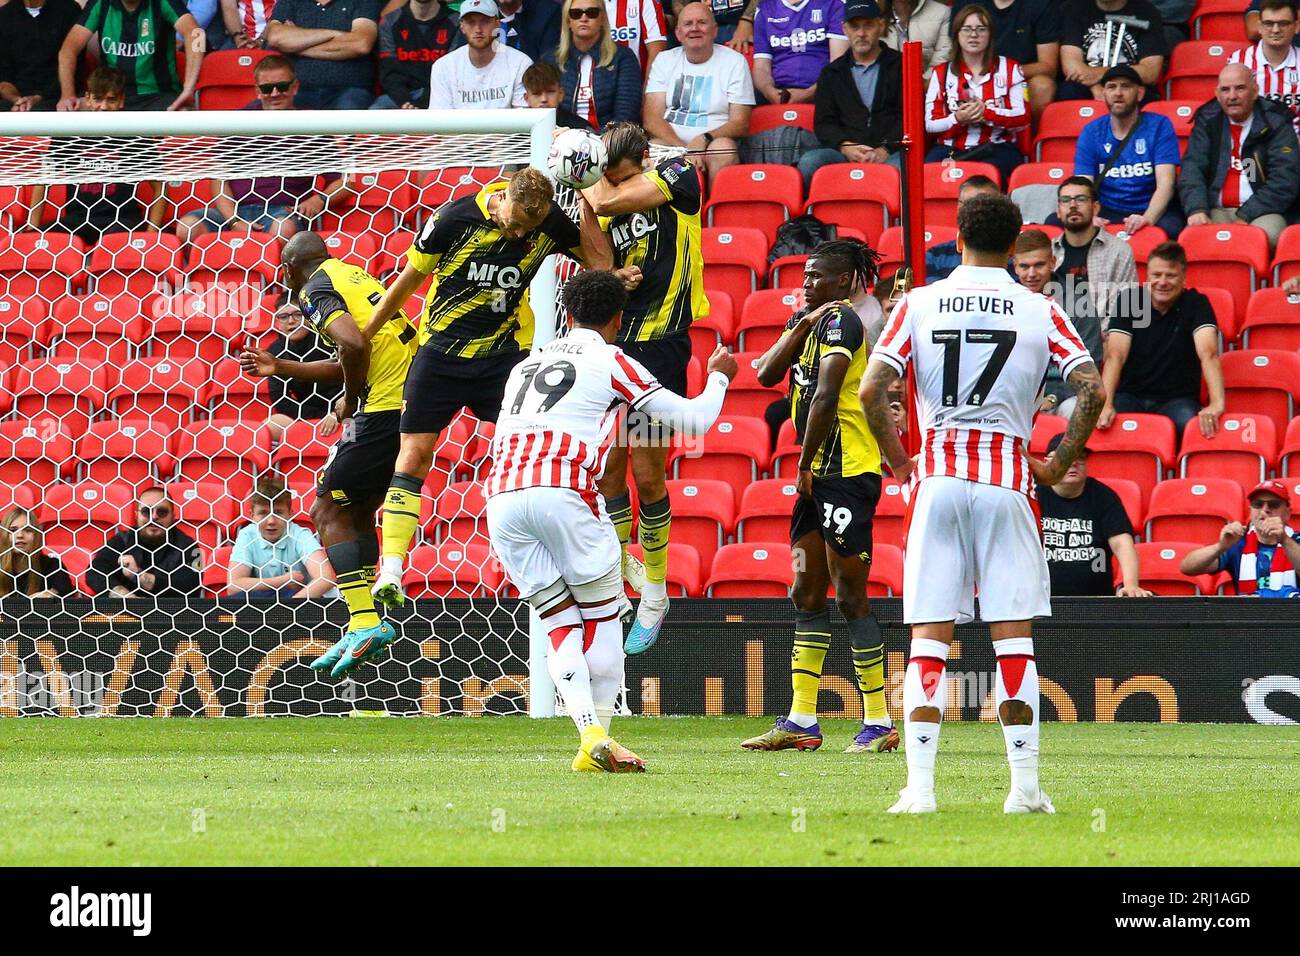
(415,160)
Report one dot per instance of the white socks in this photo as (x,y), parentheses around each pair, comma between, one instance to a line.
(654,599)
(1017,680)
(568,666)
(392,565)
(604,639)
(924,685)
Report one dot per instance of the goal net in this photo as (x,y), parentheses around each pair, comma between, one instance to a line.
(130,279)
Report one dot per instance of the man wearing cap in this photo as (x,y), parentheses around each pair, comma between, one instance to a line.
(1132,156)
(1085,527)
(1263,555)
(858,115)
(483,74)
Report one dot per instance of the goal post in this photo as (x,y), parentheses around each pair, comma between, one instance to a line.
(94,308)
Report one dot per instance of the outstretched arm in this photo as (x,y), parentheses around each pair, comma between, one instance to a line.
(874,394)
(695,416)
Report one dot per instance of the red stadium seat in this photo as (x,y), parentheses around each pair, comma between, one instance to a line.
(787,272)
(1219,20)
(1180,113)
(943,181)
(230,394)
(1243,449)
(755,197)
(208,512)
(452,570)
(130,450)
(1225,314)
(1262,382)
(1143,242)
(765,510)
(686,569)
(885,578)
(229,453)
(1193,509)
(139,264)
(746,397)
(1231,256)
(1130,496)
(889,526)
(358,248)
(1045,428)
(773,115)
(166,391)
(454,182)
(226,79)
(34,453)
(894,255)
(1039,174)
(1158,563)
(187,326)
(764,317)
(391,258)
(1138,447)
(1286,258)
(84,515)
(76,561)
(66,391)
(704,514)
(380,204)
(41,265)
(734,450)
(216,571)
(459,514)
(1290,450)
(184,196)
(241,258)
(22,326)
(96,330)
(1194,67)
(856,195)
(1059,128)
(303,451)
(735,261)
(717,328)
(751,570)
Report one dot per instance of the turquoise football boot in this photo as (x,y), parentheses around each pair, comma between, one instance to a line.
(364,646)
(331,657)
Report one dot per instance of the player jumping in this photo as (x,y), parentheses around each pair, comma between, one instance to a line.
(337,299)
(546,519)
(839,486)
(980,346)
(652,212)
(485,250)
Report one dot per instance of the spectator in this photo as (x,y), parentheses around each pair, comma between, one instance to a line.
(943,257)
(858,115)
(95,209)
(699,95)
(1262,557)
(279,205)
(1033,262)
(411,39)
(638,25)
(136,40)
(245,23)
(792,45)
(481,74)
(273,557)
(25,566)
(1240,164)
(727,15)
(976,103)
(1274,60)
(602,80)
(1254,14)
(927,21)
(297,399)
(155,558)
(1133,157)
(31,33)
(1155,363)
(1029,32)
(543,91)
(1099,34)
(1085,528)
(531,27)
(329,43)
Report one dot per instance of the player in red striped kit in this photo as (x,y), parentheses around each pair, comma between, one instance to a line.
(1274,60)
(977,99)
(979,346)
(638,25)
(546,519)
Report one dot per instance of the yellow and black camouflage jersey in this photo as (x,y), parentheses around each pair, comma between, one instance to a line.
(850,448)
(664,243)
(478,305)
(337,287)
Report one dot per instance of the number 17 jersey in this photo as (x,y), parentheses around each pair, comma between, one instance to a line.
(980,345)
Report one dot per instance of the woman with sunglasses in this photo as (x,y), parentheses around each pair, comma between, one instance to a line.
(601,80)
(25,567)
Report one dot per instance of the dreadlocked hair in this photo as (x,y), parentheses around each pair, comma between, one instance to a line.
(854,256)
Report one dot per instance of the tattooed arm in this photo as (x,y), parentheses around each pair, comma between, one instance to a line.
(874,394)
(1090,398)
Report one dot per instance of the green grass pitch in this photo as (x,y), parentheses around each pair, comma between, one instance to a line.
(499,791)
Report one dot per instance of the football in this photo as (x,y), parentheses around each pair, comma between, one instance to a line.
(577,158)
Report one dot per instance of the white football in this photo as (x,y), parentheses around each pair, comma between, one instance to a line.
(577,158)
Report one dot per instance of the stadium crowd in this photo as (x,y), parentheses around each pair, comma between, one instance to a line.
(1158,173)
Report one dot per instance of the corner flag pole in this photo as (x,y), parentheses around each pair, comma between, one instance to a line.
(913,200)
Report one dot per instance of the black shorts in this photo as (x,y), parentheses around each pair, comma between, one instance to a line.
(439,386)
(841,511)
(666,359)
(362,463)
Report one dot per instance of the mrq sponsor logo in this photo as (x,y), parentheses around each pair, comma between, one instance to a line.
(76,909)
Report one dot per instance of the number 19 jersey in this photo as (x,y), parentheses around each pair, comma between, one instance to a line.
(980,345)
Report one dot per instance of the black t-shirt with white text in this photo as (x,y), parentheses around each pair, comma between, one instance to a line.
(1076,535)
(1127,35)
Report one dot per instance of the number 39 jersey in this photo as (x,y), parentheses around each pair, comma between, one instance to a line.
(559,408)
(980,346)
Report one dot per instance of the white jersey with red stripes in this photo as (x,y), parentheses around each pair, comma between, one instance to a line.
(254,15)
(1281,83)
(1001,90)
(558,412)
(980,345)
(634,23)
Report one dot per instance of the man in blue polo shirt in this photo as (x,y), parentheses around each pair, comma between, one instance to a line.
(1133,157)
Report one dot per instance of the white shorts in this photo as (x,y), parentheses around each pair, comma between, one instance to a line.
(541,535)
(966,535)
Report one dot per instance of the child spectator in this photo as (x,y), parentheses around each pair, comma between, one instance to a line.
(273,557)
(25,567)
(543,90)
